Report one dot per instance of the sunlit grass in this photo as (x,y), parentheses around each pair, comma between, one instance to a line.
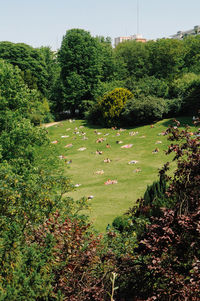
(110,200)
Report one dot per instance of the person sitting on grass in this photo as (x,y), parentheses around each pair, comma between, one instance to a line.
(107,160)
(155,151)
(98,152)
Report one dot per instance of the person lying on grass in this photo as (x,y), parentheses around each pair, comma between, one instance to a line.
(109,182)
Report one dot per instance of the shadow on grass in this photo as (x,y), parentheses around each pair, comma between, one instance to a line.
(93,126)
(184,120)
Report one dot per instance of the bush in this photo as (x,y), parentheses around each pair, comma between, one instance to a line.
(191,102)
(182,85)
(121,223)
(21,139)
(186,91)
(143,110)
(112,105)
(165,264)
(155,193)
(84,106)
(94,115)
(75,263)
(173,107)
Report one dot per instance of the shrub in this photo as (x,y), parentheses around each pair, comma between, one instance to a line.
(191,102)
(75,262)
(155,193)
(143,110)
(112,104)
(94,115)
(187,89)
(121,223)
(84,106)
(182,85)
(165,265)
(173,107)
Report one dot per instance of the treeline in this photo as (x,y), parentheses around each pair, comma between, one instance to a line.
(163,76)
(162,68)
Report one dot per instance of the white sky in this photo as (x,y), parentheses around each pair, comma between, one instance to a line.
(44,22)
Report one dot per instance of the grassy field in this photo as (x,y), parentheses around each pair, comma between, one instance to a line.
(78,142)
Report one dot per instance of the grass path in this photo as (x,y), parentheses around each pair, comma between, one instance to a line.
(76,144)
(47,125)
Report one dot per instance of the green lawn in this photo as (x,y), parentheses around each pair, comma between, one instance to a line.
(110,200)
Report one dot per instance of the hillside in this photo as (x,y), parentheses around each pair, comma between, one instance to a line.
(77,146)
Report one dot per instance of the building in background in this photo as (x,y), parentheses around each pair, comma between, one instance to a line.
(136,37)
(182,34)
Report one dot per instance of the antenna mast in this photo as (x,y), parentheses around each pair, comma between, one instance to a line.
(137,17)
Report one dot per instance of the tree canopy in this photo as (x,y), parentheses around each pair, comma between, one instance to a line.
(30,61)
(16,99)
(80,67)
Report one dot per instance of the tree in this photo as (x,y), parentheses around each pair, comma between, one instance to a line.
(80,67)
(192,45)
(30,61)
(191,102)
(147,86)
(16,99)
(183,84)
(108,64)
(135,57)
(52,68)
(166,58)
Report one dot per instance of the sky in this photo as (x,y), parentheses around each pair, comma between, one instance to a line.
(45,22)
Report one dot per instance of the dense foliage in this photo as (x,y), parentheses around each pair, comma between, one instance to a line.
(42,231)
(77,76)
(161,78)
(165,262)
(80,68)
(30,62)
(17,100)
(48,249)
(112,105)
(75,261)
(143,111)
